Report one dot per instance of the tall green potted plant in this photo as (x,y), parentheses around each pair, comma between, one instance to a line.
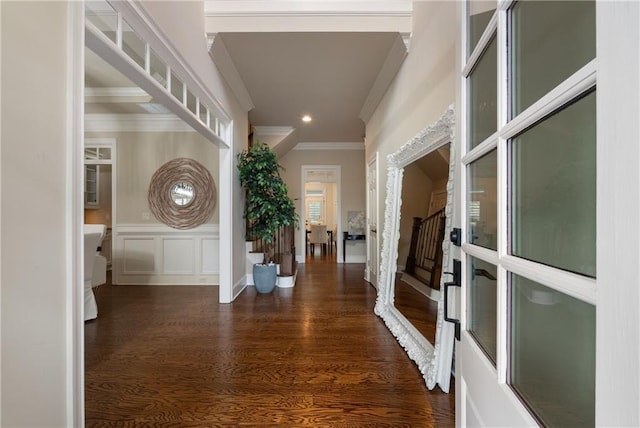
(267,206)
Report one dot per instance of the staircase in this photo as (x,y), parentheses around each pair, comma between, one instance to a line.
(424,261)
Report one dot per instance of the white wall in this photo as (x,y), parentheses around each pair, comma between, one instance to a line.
(33,168)
(140,154)
(421,91)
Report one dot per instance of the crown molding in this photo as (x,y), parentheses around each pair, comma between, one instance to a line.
(273,130)
(392,63)
(135,123)
(291,8)
(308,15)
(406,39)
(221,58)
(329,146)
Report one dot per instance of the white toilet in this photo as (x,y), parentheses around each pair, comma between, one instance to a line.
(95,267)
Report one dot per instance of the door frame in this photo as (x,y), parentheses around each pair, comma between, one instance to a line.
(304,169)
(112,143)
(371,271)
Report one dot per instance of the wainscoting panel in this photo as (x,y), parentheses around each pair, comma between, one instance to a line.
(210,256)
(178,256)
(139,253)
(153,254)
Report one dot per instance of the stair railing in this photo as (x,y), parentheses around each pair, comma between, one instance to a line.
(425,250)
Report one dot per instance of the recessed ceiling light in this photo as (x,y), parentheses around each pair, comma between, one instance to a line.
(306,118)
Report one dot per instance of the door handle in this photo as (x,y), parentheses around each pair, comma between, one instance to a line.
(457,276)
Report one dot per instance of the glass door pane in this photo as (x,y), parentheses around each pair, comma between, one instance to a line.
(483,93)
(483,305)
(553,353)
(554,189)
(480,13)
(482,205)
(544,51)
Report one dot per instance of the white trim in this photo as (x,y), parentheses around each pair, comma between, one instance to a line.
(221,58)
(227,177)
(481,149)
(329,146)
(502,200)
(580,82)
(69,323)
(105,48)
(572,284)
(101,141)
(239,287)
(372,178)
(406,39)
(304,169)
(392,63)
(135,123)
(156,228)
(74,200)
(332,8)
(187,268)
(144,23)
(273,130)
(115,92)
(483,43)
(485,254)
(618,211)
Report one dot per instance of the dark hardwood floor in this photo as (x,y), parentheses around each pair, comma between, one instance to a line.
(421,311)
(314,355)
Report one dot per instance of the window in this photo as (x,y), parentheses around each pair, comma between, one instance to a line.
(315,201)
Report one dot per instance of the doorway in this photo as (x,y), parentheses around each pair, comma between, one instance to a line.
(320,212)
(371,272)
(99,189)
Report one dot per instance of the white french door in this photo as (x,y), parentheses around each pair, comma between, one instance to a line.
(527,351)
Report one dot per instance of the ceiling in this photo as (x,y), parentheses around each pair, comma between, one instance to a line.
(435,165)
(325,75)
(329,75)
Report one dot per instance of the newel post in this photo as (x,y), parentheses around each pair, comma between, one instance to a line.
(411,258)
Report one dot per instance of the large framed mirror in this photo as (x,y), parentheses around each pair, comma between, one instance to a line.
(415,251)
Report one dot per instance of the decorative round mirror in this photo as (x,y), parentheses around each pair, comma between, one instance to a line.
(182,194)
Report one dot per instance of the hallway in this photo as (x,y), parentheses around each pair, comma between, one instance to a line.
(314,355)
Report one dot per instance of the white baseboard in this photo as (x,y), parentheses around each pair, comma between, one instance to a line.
(421,288)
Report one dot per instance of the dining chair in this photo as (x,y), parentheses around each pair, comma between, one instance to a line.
(318,236)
